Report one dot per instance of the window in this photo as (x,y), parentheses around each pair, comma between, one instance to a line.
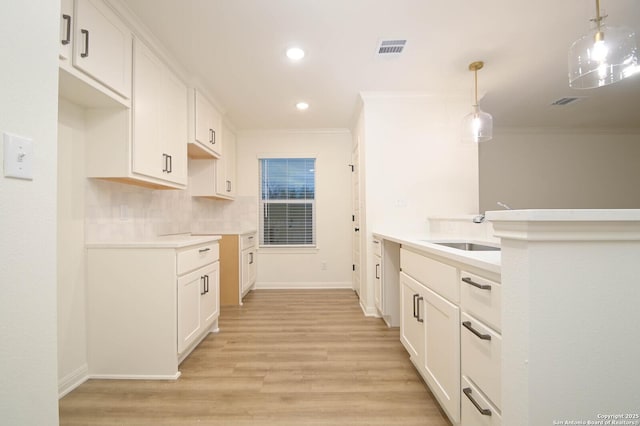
(287,202)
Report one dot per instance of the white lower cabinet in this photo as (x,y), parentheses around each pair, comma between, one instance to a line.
(386,285)
(412,318)
(149,306)
(442,351)
(430,327)
(239,262)
(198,304)
(481,349)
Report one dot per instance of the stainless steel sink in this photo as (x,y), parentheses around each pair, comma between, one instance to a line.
(467,246)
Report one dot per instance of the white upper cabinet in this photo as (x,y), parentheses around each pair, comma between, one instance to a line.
(98,43)
(205,140)
(159,119)
(215,178)
(145,145)
(226,166)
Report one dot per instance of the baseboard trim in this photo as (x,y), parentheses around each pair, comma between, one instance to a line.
(135,376)
(369,311)
(72,380)
(315,285)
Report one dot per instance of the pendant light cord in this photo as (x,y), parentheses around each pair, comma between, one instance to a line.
(475,72)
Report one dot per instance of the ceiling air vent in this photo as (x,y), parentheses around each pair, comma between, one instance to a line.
(391,47)
(567,100)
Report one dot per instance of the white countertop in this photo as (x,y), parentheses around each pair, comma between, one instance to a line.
(565,215)
(230,232)
(487,260)
(166,241)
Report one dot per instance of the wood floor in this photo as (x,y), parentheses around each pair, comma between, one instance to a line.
(305,357)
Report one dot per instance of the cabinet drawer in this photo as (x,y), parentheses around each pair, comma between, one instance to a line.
(470,414)
(481,298)
(196,257)
(247,241)
(439,277)
(377,247)
(481,356)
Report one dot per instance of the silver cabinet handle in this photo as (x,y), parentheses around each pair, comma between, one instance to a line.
(475,284)
(67,39)
(86,43)
(377,271)
(467,325)
(415,296)
(204,286)
(418,305)
(483,411)
(204,249)
(251,258)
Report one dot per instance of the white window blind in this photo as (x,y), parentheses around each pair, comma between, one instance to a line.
(287,201)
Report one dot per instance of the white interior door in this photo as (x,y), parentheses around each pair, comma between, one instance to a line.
(355,218)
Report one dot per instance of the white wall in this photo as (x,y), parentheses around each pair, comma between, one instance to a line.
(28,107)
(538,168)
(414,166)
(72,331)
(302,268)
(415,163)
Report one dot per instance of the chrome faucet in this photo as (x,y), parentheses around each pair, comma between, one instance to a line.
(478,219)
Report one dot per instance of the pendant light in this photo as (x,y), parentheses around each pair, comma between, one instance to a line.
(604,56)
(478,125)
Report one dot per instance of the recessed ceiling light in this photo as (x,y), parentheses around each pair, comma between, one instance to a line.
(295,53)
(302,106)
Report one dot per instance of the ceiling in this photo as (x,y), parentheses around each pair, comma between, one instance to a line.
(236,49)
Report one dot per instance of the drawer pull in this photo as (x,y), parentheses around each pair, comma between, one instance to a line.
(376,242)
(414,305)
(483,411)
(251,237)
(204,250)
(467,325)
(204,286)
(377,271)
(475,284)
(86,43)
(67,39)
(418,304)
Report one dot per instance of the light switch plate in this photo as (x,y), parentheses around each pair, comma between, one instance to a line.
(18,157)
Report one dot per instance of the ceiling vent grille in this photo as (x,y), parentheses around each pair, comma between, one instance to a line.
(567,100)
(391,47)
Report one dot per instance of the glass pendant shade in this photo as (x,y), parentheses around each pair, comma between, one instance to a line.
(604,56)
(477,126)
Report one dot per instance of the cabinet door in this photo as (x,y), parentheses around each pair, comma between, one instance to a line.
(210,299)
(253,269)
(190,289)
(226,167)
(207,125)
(148,156)
(245,268)
(378,282)
(230,163)
(102,46)
(412,317)
(174,125)
(159,119)
(442,351)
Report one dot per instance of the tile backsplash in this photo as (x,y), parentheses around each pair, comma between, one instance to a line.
(116,211)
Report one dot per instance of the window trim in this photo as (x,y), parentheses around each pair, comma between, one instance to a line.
(289,248)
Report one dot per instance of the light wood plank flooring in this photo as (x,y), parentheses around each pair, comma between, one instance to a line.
(303,357)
